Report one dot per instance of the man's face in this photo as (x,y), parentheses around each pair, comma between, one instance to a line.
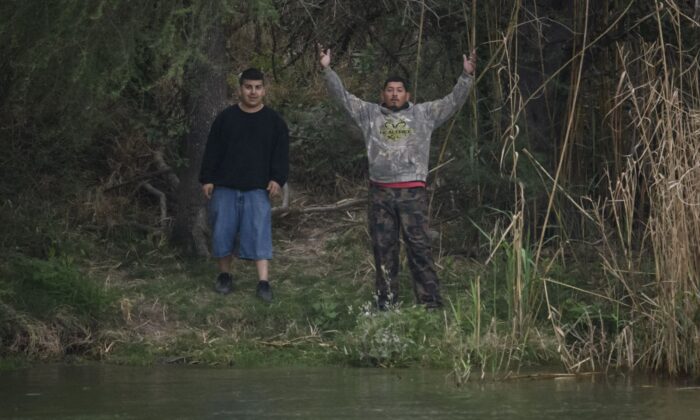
(252,93)
(395,95)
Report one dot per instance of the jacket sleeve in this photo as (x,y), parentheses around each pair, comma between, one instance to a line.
(213,151)
(441,110)
(279,160)
(354,106)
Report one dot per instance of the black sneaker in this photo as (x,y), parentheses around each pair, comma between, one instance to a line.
(434,304)
(224,283)
(264,291)
(382,303)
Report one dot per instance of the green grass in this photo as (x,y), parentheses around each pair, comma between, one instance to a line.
(147,305)
(43,287)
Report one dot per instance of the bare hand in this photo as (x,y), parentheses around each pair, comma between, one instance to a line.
(324,56)
(273,188)
(208,189)
(470,63)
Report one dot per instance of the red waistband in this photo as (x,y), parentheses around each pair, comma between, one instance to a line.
(406,184)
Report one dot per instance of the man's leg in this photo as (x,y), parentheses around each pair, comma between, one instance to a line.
(384,232)
(223,215)
(262,266)
(256,237)
(224,264)
(263,290)
(413,210)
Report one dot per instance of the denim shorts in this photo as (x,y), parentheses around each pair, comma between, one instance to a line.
(242,215)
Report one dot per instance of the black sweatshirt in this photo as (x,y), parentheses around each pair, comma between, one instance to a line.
(246,151)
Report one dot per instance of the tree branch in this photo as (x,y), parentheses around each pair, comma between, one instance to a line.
(340,205)
(162,200)
(138,178)
(159,160)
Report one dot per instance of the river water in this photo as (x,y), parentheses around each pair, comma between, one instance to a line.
(174,392)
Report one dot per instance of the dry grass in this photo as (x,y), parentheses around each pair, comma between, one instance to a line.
(660,189)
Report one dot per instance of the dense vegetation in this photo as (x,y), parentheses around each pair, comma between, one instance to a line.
(565,193)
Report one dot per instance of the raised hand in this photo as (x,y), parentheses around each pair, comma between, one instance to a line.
(470,63)
(324,56)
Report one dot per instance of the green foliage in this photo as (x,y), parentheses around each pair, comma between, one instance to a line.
(365,61)
(466,310)
(396,338)
(34,228)
(324,147)
(43,287)
(325,313)
(48,308)
(264,10)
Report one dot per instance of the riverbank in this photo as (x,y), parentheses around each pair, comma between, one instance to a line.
(146,305)
(322,314)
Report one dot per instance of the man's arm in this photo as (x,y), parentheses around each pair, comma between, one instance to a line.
(442,109)
(353,105)
(279,160)
(212,153)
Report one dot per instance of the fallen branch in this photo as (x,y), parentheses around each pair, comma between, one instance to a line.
(292,342)
(162,200)
(138,178)
(163,169)
(340,205)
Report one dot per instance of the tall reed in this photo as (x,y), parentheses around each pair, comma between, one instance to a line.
(662,103)
(647,220)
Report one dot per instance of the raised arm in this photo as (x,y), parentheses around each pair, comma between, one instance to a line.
(442,109)
(353,105)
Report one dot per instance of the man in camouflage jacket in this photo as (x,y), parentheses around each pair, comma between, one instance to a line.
(397,137)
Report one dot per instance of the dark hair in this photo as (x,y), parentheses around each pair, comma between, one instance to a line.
(396,79)
(251,74)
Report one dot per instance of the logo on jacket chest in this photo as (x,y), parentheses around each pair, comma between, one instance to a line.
(395,129)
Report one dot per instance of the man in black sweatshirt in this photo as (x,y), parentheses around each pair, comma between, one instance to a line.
(246,160)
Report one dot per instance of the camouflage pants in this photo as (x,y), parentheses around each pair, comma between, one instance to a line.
(406,210)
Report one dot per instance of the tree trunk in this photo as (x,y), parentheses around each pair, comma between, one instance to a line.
(207,96)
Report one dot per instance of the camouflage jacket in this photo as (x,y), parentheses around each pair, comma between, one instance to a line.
(398,143)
